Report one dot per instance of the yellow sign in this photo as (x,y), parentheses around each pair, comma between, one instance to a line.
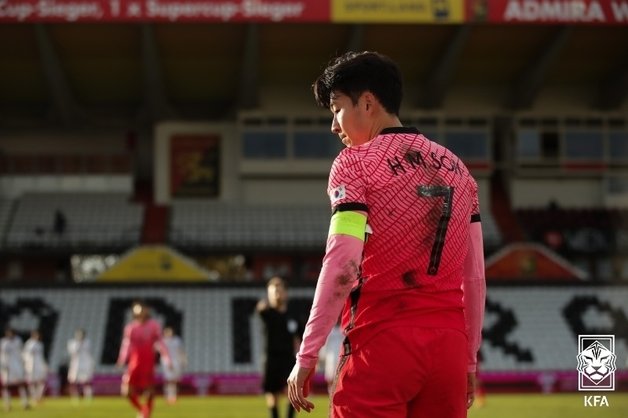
(154,263)
(397,11)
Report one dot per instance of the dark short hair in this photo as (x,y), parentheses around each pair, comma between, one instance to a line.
(353,73)
(276,281)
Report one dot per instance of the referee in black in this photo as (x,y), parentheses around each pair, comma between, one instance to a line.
(281,342)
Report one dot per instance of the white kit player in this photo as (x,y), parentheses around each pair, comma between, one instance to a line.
(12,368)
(81,370)
(178,357)
(35,366)
(331,353)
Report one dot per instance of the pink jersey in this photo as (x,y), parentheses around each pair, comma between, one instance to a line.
(139,343)
(420,200)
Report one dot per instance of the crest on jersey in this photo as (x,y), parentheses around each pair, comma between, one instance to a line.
(338,193)
(596,362)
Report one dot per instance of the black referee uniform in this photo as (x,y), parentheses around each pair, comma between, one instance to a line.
(280,332)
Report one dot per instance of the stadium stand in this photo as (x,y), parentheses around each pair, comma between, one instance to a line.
(207,225)
(6,207)
(221,226)
(601,223)
(490,231)
(97,220)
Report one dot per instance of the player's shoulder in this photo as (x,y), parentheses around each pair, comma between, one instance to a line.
(347,155)
(347,164)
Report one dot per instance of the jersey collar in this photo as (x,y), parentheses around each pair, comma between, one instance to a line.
(400,130)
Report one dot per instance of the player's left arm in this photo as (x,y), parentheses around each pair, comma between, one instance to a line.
(474,290)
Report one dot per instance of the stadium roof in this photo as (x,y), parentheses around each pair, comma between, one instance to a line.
(138,72)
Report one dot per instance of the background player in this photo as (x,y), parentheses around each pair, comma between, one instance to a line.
(281,339)
(331,354)
(12,368)
(178,362)
(35,367)
(81,369)
(412,331)
(141,337)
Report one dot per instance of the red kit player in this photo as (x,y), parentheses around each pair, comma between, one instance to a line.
(141,337)
(404,258)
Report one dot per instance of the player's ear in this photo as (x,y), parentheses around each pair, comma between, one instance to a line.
(369,100)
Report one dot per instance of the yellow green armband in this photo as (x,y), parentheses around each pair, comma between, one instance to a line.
(348,223)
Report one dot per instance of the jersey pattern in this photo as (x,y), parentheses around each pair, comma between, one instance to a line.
(420,200)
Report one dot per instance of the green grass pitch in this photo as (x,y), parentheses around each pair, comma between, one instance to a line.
(497,406)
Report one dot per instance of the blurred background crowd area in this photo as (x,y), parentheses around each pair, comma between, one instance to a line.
(191,125)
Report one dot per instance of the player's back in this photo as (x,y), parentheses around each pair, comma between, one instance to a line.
(420,199)
(279,331)
(10,349)
(174,345)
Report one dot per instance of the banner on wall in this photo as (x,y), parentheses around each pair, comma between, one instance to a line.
(195,165)
(605,12)
(154,263)
(398,11)
(164,10)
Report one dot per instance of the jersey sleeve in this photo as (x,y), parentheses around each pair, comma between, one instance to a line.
(341,259)
(125,345)
(474,284)
(347,184)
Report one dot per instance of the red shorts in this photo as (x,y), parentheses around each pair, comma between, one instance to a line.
(404,372)
(140,376)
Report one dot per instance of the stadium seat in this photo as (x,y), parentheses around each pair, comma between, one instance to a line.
(94,220)
(230,226)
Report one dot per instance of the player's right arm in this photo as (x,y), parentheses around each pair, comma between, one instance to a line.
(339,272)
(124,346)
(73,347)
(337,277)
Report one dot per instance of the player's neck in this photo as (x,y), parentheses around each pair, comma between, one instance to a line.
(382,121)
(280,306)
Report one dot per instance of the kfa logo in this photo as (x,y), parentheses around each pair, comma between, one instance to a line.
(596,400)
(596,362)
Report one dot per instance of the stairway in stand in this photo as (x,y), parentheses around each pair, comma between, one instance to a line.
(155,224)
(501,209)
(156,217)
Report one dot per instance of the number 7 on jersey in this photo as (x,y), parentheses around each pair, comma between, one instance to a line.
(447,193)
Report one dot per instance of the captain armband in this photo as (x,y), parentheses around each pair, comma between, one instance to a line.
(348,223)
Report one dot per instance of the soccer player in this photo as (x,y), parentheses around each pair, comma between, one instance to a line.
(12,368)
(81,370)
(35,367)
(281,340)
(404,256)
(178,361)
(141,337)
